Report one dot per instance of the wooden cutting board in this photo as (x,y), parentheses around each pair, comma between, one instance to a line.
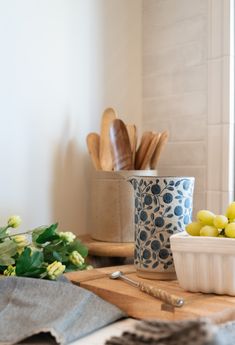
(142,306)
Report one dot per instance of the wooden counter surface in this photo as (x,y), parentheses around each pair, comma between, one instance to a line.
(142,306)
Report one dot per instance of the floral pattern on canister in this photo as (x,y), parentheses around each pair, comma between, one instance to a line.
(163,206)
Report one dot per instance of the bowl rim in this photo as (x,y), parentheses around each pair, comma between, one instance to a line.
(184,234)
(183,242)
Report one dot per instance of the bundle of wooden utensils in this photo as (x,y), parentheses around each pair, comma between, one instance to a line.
(116,146)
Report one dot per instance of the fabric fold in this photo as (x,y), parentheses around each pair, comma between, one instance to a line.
(30,306)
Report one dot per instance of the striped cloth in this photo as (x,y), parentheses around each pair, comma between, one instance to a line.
(190,332)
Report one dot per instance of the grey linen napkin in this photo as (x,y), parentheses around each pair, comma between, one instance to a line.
(31,306)
(190,332)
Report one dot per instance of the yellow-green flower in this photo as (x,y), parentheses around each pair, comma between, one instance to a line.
(14,221)
(67,236)
(55,269)
(89,267)
(21,242)
(76,258)
(10,271)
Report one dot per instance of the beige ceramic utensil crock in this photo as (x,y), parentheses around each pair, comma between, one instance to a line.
(111,213)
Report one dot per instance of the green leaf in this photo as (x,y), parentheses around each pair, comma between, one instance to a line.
(56,250)
(49,234)
(6,260)
(3,232)
(57,256)
(71,267)
(30,264)
(2,269)
(79,247)
(36,232)
(51,256)
(8,248)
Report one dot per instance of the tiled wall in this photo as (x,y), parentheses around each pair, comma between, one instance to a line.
(175,85)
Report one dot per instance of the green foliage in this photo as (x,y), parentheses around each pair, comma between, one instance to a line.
(30,264)
(48,235)
(71,267)
(3,232)
(46,247)
(8,250)
(79,247)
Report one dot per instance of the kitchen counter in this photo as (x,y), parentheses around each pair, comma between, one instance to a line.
(139,305)
(136,304)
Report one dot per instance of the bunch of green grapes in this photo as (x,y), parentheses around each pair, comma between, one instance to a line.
(209,224)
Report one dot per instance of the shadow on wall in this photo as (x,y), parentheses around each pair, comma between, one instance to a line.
(70,182)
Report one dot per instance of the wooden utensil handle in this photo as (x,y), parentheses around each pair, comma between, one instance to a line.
(161,294)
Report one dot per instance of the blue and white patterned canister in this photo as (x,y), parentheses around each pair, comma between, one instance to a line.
(163,206)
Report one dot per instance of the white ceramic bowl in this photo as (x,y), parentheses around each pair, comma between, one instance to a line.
(204,264)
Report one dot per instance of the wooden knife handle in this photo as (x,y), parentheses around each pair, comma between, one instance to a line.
(164,296)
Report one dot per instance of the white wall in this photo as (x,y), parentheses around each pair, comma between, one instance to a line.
(175,85)
(61,63)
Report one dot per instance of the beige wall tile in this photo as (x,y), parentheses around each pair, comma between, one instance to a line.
(183,81)
(199,172)
(199,203)
(182,129)
(179,33)
(176,58)
(192,104)
(185,153)
(163,13)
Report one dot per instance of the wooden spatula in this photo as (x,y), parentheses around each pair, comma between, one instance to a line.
(160,147)
(131,129)
(105,155)
(150,151)
(143,147)
(121,147)
(93,144)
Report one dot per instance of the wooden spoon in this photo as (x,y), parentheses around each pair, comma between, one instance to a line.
(143,147)
(105,155)
(131,129)
(160,147)
(93,144)
(121,147)
(150,151)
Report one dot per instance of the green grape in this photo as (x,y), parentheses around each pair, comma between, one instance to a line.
(220,221)
(205,217)
(230,230)
(230,213)
(209,230)
(193,228)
